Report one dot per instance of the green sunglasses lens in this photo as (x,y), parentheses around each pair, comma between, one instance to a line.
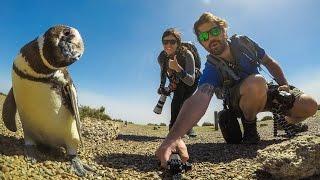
(203,36)
(215,31)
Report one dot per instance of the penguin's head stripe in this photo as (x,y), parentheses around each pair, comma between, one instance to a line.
(22,67)
(44,60)
(62,46)
(30,53)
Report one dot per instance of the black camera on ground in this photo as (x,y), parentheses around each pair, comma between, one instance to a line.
(176,167)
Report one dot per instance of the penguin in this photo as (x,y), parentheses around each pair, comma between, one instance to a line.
(44,95)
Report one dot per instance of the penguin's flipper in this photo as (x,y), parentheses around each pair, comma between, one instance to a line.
(71,90)
(9,111)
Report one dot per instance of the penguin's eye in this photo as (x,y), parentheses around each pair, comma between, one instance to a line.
(66,32)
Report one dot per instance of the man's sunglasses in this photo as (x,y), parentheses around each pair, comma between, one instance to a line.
(204,36)
(171,41)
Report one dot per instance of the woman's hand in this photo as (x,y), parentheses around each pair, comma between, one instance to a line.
(173,64)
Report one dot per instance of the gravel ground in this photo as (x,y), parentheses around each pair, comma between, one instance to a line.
(131,155)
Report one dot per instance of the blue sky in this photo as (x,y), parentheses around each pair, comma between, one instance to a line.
(123,38)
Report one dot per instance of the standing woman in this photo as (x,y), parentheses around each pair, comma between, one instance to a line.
(178,65)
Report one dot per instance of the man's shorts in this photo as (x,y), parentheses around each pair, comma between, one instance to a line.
(235,96)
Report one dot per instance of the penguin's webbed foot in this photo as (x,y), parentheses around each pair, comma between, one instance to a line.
(30,154)
(79,168)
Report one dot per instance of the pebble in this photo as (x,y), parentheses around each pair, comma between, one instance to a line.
(5,169)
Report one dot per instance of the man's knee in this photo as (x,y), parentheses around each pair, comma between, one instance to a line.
(255,86)
(305,106)
(311,106)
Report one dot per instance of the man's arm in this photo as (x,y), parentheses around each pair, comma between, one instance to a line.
(191,112)
(274,69)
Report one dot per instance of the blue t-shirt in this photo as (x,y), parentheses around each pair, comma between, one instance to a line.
(212,76)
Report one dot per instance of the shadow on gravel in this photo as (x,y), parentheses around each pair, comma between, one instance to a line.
(222,152)
(138,138)
(10,146)
(142,163)
(263,175)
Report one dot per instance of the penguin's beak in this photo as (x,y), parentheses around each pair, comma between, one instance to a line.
(71,45)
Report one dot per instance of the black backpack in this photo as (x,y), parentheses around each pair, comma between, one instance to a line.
(192,48)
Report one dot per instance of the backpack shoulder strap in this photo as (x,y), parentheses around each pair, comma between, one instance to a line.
(244,45)
(223,67)
(227,76)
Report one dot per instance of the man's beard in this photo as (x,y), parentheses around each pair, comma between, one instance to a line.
(217,47)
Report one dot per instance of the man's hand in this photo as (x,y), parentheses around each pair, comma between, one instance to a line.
(167,147)
(173,64)
(284,88)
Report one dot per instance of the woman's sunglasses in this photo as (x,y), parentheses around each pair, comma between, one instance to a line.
(204,36)
(171,41)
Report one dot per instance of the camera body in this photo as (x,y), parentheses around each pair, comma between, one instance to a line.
(285,99)
(282,98)
(176,167)
(280,102)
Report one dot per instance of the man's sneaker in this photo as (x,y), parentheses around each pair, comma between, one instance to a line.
(250,134)
(191,133)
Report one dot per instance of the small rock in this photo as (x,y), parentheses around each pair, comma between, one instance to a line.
(5,169)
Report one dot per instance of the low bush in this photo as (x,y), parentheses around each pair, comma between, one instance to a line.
(262,125)
(266,118)
(86,111)
(207,124)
